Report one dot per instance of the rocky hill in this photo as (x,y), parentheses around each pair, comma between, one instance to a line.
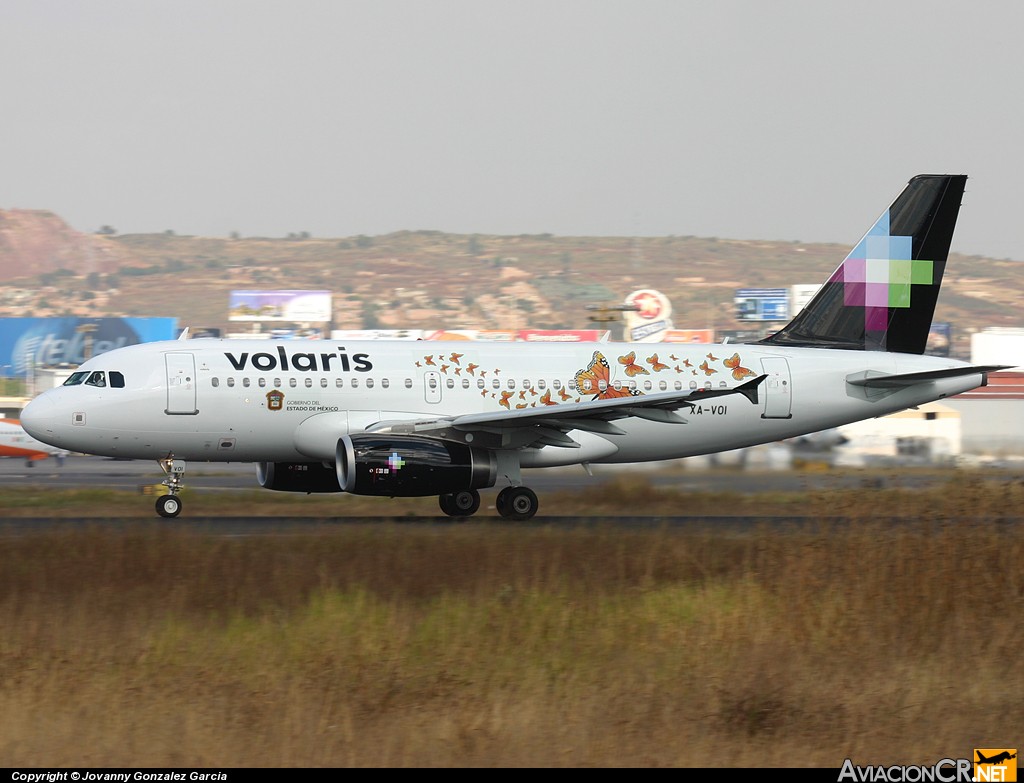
(434,280)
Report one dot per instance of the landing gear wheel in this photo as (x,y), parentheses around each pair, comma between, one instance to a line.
(460,504)
(168,505)
(519,503)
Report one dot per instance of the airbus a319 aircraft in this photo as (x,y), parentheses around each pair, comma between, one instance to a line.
(403,419)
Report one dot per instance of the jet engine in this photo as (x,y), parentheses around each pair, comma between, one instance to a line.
(305,477)
(410,466)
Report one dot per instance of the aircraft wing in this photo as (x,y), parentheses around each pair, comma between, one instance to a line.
(548,425)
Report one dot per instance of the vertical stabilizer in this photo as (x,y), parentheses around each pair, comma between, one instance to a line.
(882,297)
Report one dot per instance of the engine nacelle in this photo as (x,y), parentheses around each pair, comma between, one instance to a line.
(411,466)
(297,477)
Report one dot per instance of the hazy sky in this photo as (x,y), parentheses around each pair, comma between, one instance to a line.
(748,119)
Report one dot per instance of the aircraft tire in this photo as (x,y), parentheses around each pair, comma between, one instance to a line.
(168,506)
(518,503)
(464,503)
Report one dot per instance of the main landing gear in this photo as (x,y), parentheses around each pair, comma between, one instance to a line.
(517,503)
(169,505)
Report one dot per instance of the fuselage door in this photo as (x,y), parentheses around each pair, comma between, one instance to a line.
(778,388)
(432,386)
(181,384)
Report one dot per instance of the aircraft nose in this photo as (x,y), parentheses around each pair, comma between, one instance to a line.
(38,417)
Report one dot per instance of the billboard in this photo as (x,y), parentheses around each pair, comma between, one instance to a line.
(689,336)
(762,304)
(649,316)
(30,343)
(291,306)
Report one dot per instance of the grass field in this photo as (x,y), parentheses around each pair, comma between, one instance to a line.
(492,645)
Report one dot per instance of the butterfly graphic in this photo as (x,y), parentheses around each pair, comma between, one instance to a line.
(504,399)
(595,380)
(707,370)
(429,360)
(739,373)
(545,398)
(712,357)
(564,395)
(454,358)
(471,368)
(522,394)
(656,365)
(632,368)
(686,363)
(444,368)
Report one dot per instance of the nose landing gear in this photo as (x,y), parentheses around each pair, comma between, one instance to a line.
(169,505)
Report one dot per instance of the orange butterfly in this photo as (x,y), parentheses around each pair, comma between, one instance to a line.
(522,394)
(712,357)
(471,369)
(733,363)
(429,360)
(673,357)
(594,380)
(454,358)
(504,399)
(444,368)
(632,368)
(707,370)
(545,398)
(655,364)
(564,395)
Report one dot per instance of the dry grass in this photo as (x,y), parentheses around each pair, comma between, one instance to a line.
(489,645)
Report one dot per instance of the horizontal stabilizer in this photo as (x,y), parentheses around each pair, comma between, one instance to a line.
(899,381)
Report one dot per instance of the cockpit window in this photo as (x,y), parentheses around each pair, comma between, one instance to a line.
(116,379)
(76,378)
(98,378)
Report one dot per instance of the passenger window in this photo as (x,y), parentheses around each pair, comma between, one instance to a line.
(231,381)
(465,383)
(338,382)
(450,383)
(215,382)
(511,383)
(385,383)
(408,383)
(556,384)
(323,383)
(542,384)
(602,385)
(354,383)
(309,383)
(116,379)
(277,383)
(293,382)
(480,383)
(245,382)
(496,383)
(369,383)
(262,382)
(663,385)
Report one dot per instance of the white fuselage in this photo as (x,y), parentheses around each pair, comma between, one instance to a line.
(280,401)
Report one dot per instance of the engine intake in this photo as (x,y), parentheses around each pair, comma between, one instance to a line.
(305,477)
(411,466)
